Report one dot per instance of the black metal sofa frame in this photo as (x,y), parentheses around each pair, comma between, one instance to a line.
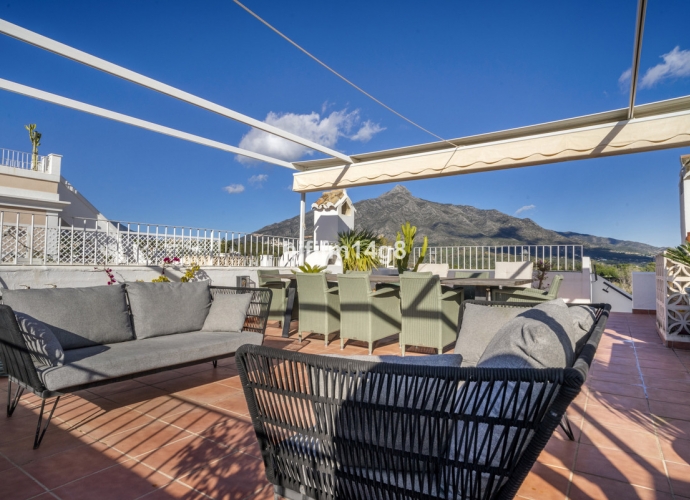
(22,372)
(329,427)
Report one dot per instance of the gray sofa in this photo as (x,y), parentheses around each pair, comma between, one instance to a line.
(62,340)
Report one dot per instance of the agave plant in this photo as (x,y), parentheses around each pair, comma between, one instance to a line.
(680,254)
(309,269)
(358,250)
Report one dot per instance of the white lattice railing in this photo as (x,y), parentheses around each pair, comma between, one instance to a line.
(672,299)
(34,239)
(23,160)
(561,257)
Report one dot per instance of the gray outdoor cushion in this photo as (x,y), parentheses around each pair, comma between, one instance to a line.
(541,337)
(480,323)
(583,319)
(92,364)
(228,312)
(79,317)
(41,341)
(168,308)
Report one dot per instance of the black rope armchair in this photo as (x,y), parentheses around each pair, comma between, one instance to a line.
(332,428)
(23,375)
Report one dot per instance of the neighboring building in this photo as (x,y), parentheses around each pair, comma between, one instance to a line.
(334,213)
(37,193)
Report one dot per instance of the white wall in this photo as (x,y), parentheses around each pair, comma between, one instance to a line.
(644,291)
(17,277)
(604,291)
(329,222)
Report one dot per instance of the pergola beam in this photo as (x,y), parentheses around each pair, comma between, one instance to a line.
(637,54)
(18,88)
(61,49)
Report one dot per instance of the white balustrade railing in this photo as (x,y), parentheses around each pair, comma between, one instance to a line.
(561,257)
(23,160)
(36,239)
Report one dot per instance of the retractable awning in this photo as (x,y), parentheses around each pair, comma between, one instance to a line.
(659,125)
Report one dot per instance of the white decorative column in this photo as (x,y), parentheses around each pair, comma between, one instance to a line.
(302,226)
(684,191)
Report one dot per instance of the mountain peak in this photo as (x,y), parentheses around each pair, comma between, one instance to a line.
(399,189)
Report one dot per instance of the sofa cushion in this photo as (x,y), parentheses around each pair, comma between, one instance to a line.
(228,312)
(168,308)
(79,317)
(41,341)
(480,323)
(583,320)
(93,364)
(540,337)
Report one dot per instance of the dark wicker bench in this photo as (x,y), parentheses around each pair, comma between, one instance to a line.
(22,372)
(329,427)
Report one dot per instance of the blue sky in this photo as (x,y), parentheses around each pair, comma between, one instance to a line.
(457,68)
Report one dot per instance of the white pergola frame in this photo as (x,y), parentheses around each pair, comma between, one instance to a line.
(63,50)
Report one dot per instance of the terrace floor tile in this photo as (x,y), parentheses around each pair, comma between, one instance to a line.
(192,438)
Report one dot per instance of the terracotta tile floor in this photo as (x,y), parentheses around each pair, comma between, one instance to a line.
(186,434)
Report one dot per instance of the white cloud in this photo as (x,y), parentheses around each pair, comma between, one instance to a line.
(367,131)
(234,188)
(624,79)
(676,65)
(258,180)
(325,131)
(525,209)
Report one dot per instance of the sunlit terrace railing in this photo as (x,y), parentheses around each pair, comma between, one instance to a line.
(34,239)
(561,257)
(23,160)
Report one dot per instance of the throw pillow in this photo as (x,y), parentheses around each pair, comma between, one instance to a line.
(541,337)
(228,312)
(43,346)
(480,323)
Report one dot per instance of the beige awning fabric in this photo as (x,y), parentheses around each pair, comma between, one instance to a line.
(621,137)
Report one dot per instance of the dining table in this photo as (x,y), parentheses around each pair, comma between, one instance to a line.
(480,283)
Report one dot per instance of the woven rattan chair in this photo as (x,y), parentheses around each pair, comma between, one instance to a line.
(281,309)
(365,315)
(429,312)
(319,305)
(330,427)
(509,294)
(470,291)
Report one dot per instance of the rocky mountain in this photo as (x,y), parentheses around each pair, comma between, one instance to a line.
(455,225)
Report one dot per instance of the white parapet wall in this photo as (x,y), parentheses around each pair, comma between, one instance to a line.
(644,292)
(18,277)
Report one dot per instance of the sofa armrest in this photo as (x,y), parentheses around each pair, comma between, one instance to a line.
(15,354)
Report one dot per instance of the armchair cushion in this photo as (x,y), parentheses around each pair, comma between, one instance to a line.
(228,312)
(41,341)
(541,337)
(79,317)
(437,360)
(479,325)
(583,319)
(168,308)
